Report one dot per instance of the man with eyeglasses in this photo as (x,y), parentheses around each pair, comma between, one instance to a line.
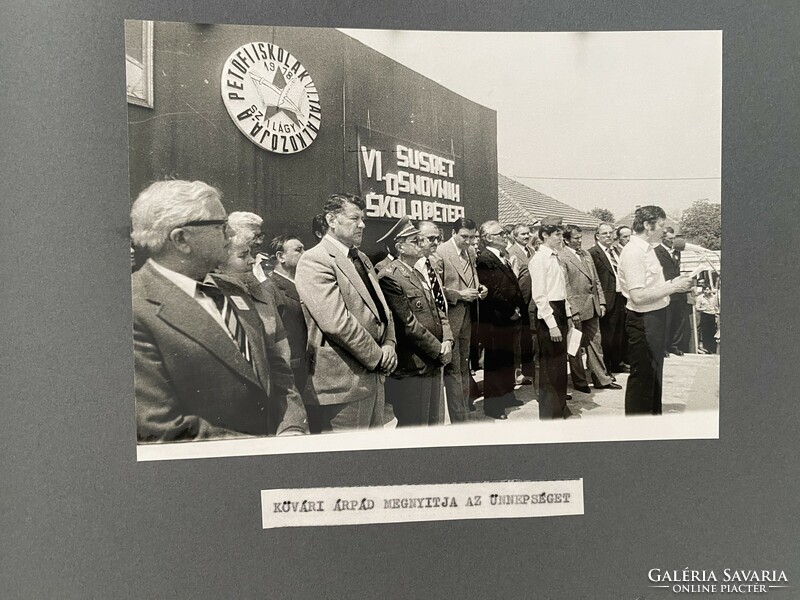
(499,314)
(612,324)
(204,366)
(461,290)
(424,341)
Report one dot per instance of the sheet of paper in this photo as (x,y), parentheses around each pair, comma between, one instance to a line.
(573,341)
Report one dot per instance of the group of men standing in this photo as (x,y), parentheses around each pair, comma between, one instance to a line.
(323,341)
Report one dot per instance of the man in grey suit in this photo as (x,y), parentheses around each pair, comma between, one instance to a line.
(205,366)
(588,304)
(461,290)
(350,326)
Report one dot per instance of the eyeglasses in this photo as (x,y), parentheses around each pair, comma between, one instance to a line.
(205,222)
(434,238)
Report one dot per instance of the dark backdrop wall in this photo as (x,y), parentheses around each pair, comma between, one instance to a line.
(189,135)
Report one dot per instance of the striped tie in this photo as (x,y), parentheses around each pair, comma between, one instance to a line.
(230,319)
(438,296)
(468,270)
(613,256)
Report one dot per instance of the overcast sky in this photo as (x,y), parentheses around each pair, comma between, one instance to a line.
(575,110)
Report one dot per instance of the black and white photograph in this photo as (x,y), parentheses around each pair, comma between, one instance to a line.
(360,300)
(350,239)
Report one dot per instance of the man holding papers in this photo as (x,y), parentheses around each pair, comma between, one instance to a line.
(647,293)
(549,292)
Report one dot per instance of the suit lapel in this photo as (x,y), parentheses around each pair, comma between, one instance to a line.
(187,316)
(346,266)
(253,327)
(604,258)
(578,262)
(454,258)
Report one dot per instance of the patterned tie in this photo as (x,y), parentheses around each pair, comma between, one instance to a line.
(352,254)
(438,296)
(612,254)
(467,269)
(230,318)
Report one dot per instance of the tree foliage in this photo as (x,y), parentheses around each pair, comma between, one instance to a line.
(701,224)
(603,214)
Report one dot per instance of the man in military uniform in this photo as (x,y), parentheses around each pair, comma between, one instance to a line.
(415,297)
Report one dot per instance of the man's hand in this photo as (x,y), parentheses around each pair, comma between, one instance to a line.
(388,362)
(446,355)
(681,284)
(483,291)
(555,334)
(602,311)
(576,320)
(517,314)
(469,294)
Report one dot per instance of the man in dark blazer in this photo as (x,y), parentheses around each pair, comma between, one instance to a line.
(498,313)
(587,303)
(676,335)
(612,324)
(287,250)
(521,255)
(350,326)
(424,341)
(205,367)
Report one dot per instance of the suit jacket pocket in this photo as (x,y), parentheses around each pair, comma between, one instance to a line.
(334,372)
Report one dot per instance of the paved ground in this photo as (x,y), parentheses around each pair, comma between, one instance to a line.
(691,382)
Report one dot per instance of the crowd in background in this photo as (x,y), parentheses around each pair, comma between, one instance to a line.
(236,336)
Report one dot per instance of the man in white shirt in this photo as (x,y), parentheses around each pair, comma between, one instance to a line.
(549,293)
(647,293)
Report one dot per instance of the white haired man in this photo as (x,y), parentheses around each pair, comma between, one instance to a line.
(205,368)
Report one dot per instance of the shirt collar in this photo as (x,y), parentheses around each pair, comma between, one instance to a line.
(187,284)
(282,275)
(340,247)
(640,243)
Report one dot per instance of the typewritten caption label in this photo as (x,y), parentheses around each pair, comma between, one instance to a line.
(307,507)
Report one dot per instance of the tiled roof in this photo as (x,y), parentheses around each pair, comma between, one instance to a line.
(520,204)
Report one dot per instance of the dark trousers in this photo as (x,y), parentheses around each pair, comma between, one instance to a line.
(553,366)
(523,347)
(677,327)
(415,399)
(708,329)
(646,333)
(498,366)
(613,337)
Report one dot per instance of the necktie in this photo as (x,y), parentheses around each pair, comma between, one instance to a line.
(352,254)
(467,269)
(438,296)
(612,255)
(230,318)
(527,251)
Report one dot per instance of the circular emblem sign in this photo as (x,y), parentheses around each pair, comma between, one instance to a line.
(271,98)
